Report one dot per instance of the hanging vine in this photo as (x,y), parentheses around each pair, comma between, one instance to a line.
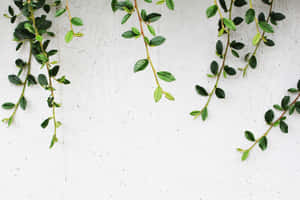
(285,108)
(225,26)
(34,31)
(146,19)
(263,24)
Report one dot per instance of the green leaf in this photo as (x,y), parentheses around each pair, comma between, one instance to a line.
(8,106)
(238,20)
(156,41)
(219,48)
(269,116)
(292,109)
(250,136)
(42,58)
(283,127)
(125,18)
(297,106)
(234,53)
(256,39)
(169,96)
(245,155)
(263,143)
(60,12)
(253,62)
(240,3)
(158,94)
(42,79)
(298,85)
(136,31)
(31,80)
(11,11)
(229,24)
(53,141)
(195,113)
(53,72)
(140,65)
(277,107)
(250,16)
(144,14)
(285,102)
(58,124)
(151,30)
(29,28)
(69,36)
(229,70)
(237,45)
(211,11)
(76,21)
(204,114)
(153,17)
(14,79)
(129,34)
(45,123)
(220,93)
(214,67)
(23,103)
(201,91)
(223,5)
(166,76)
(293,90)
(266,27)
(170,4)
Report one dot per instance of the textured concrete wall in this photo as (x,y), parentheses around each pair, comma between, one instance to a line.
(116,143)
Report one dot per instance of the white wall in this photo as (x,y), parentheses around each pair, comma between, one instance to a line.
(116,143)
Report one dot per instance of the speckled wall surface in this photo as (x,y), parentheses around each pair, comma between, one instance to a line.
(116,143)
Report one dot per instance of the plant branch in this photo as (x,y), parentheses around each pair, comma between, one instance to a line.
(273,124)
(48,70)
(260,40)
(24,83)
(222,66)
(146,44)
(69,15)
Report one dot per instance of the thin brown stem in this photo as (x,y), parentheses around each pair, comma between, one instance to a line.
(69,15)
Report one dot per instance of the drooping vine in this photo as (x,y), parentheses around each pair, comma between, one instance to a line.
(226,25)
(146,19)
(260,36)
(287,107)
(34,31)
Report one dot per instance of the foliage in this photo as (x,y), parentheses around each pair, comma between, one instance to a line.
(225,26)
(146,19)
(34,31)
(286,107)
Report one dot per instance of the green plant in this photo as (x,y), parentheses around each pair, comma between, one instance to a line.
(286,107)
(34,31)
(225,26)
(263,27)
(76,21)
(146,19)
